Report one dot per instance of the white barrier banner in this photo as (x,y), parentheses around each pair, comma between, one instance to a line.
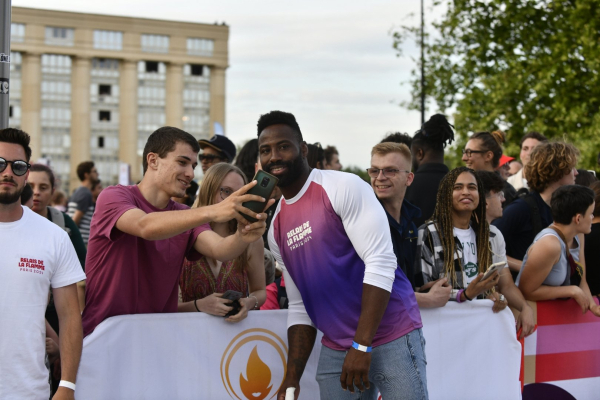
(471,353)
(189,356)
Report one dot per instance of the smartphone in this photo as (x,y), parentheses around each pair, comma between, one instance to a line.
(493,268)
(264,188)
(234,297)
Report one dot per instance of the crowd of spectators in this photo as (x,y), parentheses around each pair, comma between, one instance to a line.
(535,220)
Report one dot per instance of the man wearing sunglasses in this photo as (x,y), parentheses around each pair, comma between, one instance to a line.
(390,177)
(215,150)
(36,255)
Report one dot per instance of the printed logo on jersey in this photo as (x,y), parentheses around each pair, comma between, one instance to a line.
(299,236)
(470,269)
(31,265)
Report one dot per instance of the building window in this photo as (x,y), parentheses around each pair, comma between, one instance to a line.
(196,69)
(200,47)
(16,60)
(108,40)
(104,116)
(17,33)
(100,141)
(105,63)
(104,90)
(10,112)
(152,66)
(59,36)
(56,64)
(155,43)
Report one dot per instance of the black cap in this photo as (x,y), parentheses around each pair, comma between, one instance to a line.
(220,143)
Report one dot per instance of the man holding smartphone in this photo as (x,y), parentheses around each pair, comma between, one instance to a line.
(330,236)
(139,236)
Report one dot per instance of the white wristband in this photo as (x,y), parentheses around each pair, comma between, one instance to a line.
(289,393)
(67,384)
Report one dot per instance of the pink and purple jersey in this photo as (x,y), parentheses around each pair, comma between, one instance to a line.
(332,237)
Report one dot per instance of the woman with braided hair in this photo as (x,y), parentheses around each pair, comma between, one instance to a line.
(458,244)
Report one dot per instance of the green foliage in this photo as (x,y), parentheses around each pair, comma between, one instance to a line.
(362,173)
(515,65)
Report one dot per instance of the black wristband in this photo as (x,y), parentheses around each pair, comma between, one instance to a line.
(196,305)
(466,297)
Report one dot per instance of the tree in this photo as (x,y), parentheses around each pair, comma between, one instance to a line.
(358,171)
(516,65)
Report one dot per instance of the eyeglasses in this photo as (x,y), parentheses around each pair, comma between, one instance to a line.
(470,152)
(225,192)
(387,172)
(19,167)
(209,157)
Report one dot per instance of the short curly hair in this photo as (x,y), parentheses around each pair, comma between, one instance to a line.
(549,162)
(276,118)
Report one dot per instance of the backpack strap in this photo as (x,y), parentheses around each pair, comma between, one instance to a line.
(58,218)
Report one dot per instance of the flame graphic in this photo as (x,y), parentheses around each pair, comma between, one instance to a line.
(259,376)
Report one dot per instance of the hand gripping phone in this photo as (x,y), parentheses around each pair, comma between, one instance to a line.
(493,268)
(234,297)
(264,188)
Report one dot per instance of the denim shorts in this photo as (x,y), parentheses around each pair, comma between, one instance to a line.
(397,371)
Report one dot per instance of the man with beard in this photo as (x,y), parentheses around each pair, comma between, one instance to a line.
(36,255)
(330,235)
(139,236)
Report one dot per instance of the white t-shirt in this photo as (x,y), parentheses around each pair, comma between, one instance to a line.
(36,254)
(469,244)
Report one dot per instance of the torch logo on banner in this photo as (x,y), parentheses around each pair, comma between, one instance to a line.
(253,365)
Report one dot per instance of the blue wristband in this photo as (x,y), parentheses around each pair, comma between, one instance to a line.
(362,348)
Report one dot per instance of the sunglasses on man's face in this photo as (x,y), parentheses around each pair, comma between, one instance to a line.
(19,167)
(208,157)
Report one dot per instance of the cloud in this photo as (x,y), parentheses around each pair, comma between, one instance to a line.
(331,63)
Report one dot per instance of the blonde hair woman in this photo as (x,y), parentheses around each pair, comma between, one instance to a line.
(203,282)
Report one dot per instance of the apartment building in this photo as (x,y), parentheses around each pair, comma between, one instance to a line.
(93,87)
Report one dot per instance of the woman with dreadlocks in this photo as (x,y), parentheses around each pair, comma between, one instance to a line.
(457,243)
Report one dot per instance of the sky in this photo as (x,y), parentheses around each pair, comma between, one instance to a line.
(330,63)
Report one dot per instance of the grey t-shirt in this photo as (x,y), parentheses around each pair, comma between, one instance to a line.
(559,272)
(82,200)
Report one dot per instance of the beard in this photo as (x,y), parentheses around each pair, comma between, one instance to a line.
(294,170)
(7,198)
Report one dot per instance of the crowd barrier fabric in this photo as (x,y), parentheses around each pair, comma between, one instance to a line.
(472,353)
(188,356)
(562,357)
